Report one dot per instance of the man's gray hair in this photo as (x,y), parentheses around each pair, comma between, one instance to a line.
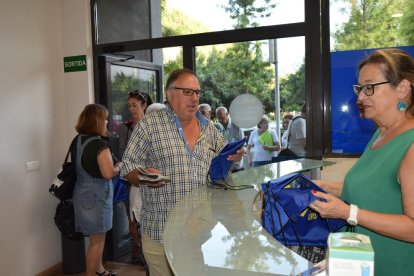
(154,107)
(204,106)
(221,108)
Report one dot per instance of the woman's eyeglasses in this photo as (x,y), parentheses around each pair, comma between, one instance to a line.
(139,95)
(367,89)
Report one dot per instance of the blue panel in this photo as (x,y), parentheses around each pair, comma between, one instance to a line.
(350,133)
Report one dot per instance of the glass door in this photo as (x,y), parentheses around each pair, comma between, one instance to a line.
(123,75)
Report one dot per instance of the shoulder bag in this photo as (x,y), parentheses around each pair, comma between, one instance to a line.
(64,183)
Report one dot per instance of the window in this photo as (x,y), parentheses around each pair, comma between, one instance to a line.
(357,28)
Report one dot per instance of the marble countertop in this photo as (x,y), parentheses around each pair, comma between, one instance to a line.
(216,231)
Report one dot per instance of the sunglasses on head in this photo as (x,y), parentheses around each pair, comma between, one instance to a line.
(139,95)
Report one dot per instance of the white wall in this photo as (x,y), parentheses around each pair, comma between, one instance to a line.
(39,105)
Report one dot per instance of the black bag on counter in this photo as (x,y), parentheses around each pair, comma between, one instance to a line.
(286,152)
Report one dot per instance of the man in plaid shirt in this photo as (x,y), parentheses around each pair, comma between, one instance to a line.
(176,142)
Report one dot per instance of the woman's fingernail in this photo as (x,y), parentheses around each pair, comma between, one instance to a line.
(313,191)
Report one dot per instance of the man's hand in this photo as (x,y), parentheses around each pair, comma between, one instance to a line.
(149,176)
(237,156)
(133,177)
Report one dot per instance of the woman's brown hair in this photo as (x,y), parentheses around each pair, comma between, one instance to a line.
(92,120)
(397,65)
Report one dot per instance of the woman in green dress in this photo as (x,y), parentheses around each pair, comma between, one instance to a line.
(380,186)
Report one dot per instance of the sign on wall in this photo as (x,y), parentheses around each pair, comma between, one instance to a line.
(74,63)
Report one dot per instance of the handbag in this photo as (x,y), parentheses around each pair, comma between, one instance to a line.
(65,220)
(64,183)
(287,217)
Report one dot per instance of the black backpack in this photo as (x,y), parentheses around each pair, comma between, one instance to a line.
(65,220)
(62,188)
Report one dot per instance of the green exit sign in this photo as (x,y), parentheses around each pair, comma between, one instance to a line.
(74,63)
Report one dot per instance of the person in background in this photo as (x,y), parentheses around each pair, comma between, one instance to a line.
(296,140)
(205,109)
(380,185)
(93,193)
(262,144)
(232,132)
(154,107)
(284,133)
(137,104)
(135,198)
(178,143)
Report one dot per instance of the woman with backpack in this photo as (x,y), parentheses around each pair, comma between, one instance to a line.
(93,193)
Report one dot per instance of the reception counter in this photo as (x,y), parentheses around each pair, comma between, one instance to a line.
(217,231)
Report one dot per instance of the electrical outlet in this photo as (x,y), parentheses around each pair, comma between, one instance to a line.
(32,166)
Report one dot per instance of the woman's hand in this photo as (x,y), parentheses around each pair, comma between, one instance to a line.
(270,148)
(275,147)
(119,166)
(334,188)
(330,206)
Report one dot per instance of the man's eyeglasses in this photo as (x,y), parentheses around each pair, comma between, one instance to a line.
(367,89)
(139,95)
(189,92)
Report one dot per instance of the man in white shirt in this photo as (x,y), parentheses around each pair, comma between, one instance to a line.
(297,134)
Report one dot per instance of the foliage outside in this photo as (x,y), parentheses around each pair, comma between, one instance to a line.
(226,71)
(375,24)
(233,69)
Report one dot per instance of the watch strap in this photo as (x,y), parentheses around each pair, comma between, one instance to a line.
(353,213)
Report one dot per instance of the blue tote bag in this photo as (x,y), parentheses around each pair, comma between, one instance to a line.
(120,189)
(220,166)
(286,215)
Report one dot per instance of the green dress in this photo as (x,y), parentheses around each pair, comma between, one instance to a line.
(372,184)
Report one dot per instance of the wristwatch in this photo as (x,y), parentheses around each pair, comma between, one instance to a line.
(353,212)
